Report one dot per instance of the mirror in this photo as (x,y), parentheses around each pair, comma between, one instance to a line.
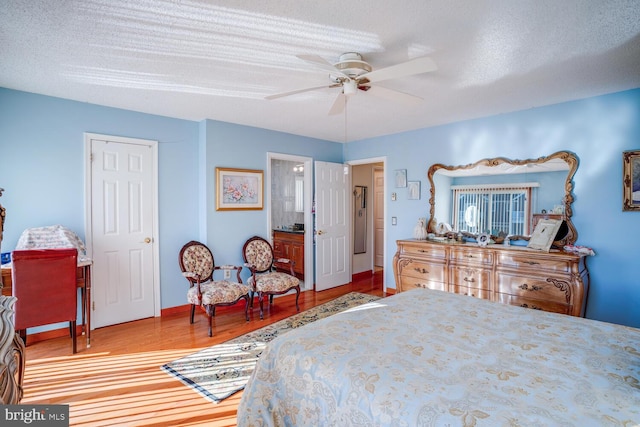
(503,197)
(360,219)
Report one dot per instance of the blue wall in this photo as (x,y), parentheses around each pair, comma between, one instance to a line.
(42,171)
(597,130)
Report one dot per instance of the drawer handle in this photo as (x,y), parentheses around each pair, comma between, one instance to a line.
(421,270)
(530,262)
(532,306)
(526,287)
(469,256)
(467,279)
(422,250)
(469,295)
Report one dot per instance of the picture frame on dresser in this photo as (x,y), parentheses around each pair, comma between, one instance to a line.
(544,234)
(631,180)
(239,189)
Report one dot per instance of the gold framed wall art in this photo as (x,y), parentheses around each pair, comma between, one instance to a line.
(239,189)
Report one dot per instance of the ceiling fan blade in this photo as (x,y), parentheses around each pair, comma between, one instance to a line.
(322,63)
(338,105)
(293,92)
(420,65)
(394,95)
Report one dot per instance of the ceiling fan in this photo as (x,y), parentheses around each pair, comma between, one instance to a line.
(351,73)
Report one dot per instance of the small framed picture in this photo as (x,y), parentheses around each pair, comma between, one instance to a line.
(544,233)
(631,180)
(401,178)
(414,190)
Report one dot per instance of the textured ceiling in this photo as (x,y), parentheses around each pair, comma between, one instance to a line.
(219,59)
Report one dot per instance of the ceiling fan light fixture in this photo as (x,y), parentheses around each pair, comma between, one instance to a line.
(350,87)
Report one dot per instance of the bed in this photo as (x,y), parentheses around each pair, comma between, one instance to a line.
(432,358)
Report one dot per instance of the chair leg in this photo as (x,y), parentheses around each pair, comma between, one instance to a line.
(246,307)
(84,309)
(193,311)
(260,297)
(209,310)
(297,296)
(74,336)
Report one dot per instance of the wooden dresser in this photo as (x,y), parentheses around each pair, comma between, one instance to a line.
(556,281)
(12,355)
(290,245)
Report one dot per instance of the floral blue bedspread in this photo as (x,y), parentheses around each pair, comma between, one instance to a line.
(431,358)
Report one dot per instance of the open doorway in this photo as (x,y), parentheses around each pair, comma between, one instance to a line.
(288,189)
(367,180)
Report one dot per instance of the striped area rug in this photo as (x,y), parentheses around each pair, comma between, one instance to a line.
(219,371)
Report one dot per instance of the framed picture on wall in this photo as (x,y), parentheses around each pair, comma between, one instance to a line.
(413,190)
(631,180)
(239,189)
(401,178)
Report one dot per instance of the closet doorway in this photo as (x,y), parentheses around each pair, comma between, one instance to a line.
(369,174)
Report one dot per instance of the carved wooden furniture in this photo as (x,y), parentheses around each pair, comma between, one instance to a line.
(198,267)
(556,281)
(12,355)
(44,282)
(265,280)
(2,216)
(289,245)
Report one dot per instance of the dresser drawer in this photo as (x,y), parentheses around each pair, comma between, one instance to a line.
(472,256)
(408,283)
(535,304)
(478,278)
(523,260)
(423,270)
(535,287)
(472,292)
(423,250)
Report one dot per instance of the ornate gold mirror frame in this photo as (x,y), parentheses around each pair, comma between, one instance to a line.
(572,165)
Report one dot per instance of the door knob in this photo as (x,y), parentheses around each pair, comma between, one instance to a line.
(147,240)
(319,232)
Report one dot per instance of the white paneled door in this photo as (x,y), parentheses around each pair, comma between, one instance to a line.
(332,225)
(122,229)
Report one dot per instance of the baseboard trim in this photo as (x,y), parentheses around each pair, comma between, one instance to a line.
(362,275)
(53,333)
(175,310)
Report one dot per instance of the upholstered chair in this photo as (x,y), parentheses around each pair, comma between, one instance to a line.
(198,267)
(44,283)
(265,280)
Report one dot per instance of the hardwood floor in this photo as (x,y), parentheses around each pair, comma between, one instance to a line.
(118,380)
